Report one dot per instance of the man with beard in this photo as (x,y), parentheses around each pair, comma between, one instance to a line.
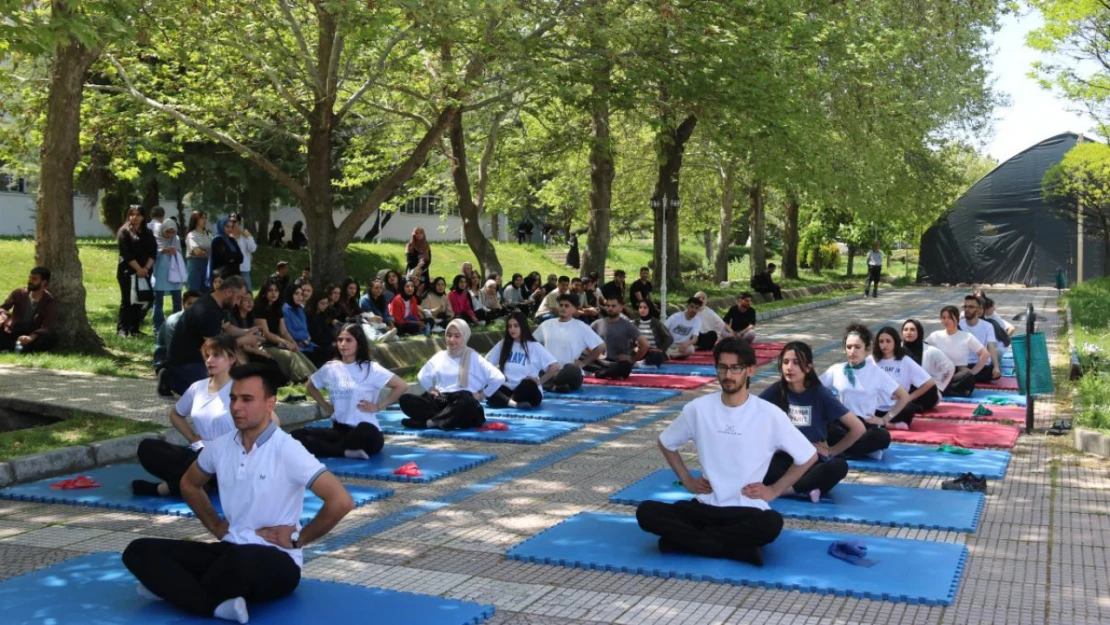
(205,319)
(736,435)
(620,336)
(27,316)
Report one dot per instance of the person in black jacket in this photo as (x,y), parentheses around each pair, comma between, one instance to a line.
(298,241)
(763,283)
(225,255)
(137,252)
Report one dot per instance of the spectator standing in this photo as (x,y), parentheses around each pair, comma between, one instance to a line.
(169,270)
(248,246)
(225,256)
(874,270)
(137,252)
(198,243)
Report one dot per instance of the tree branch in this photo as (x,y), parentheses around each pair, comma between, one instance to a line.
(487,157)
(373,78)
(484,103)
(333,62)
(413,116)
(287,11)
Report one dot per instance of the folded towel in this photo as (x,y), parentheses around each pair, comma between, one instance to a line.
(852,552)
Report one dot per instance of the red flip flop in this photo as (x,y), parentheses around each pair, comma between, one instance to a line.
(494,426)
(81,481)
(408,469)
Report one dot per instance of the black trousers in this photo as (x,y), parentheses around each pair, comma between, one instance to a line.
(453,411)
(166,461)
(911,410)
(874,439)
(775,290)
(406,328)
(873,275)
(42,343)
(527,391)
(706,340)
(928,399)
(710,531)
(196,577)
(568,378)
(963,383)
(325,443)
(130,313)
(656,357)
(610,369)
(822,476)
(986,374)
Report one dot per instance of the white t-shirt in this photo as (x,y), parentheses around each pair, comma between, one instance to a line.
(348,384)
(441,372)
(521,365)
(566,340)
(983,331)
(711,321)
(1005,325)
(936,364)
(961,348)
(874,259)
(905,372)
(735,445)
(872,387)
(263,488)
(248,246)
(210,412)
(683,329)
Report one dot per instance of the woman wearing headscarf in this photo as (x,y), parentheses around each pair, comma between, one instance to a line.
(931,359)
(435,302)
(137,251)
(659,338)
(226,256)
(418,252)
(298,240)
(456,380)
(169,271)
(276,237)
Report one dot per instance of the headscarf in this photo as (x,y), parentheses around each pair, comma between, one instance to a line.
(165,242)
(463,351)
(420,247)
(231,243)
(652,312)
(916,348)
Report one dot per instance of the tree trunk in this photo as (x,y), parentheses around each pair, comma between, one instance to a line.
(728,197)
(55,233)
(851,259)
(468,210)
(603,170)
(790,236)
(759,223)
(672,147)
(707,238)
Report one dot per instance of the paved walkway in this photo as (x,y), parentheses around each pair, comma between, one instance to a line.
(1039,556)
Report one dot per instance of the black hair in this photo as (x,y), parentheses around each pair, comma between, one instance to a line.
(191,293)
(157,211)
(862,331)
(771,266)
(233,283)
(644,269)
(291,290)
(899,352)
(517,275)
(653,312)
(42,272)
(507,340)
(455,283)
(987,302)
(567,297)
(803,353)
(732,345)
(564,279)
(952,311)
(618,273)
(693,300)
(362,345)
(744,295)
(270,376)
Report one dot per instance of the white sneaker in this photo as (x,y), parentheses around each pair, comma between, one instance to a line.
(388,337)
(876,455)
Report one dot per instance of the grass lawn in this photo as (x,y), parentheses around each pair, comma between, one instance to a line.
(79,429)
(1091,317)
(130,357)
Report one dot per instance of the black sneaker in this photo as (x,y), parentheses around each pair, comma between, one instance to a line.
(967,483)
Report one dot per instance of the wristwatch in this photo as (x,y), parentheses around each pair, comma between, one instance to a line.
(295,539)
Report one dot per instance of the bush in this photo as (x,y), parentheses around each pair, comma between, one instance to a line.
(1093,400)
(688,261)
(830,256)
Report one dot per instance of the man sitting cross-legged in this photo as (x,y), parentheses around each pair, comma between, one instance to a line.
(736,435)
(624,345)
(573,344)
(263,473)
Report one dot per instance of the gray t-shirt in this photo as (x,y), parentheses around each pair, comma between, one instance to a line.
(620,337)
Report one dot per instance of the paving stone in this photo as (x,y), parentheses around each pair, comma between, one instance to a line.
(22,559)
(54,537)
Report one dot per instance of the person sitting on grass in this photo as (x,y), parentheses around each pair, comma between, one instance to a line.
(456,381)
(27,316)
(811,408)
(296,323)
(257,553)
(737,436)
(685,327)
(526,363)
(461,303)
(861,386)
(278,343)
(405,310)
(437,304)
(354,384)
(573,344)
(892,358)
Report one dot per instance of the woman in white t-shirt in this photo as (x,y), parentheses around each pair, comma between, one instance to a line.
(931,359)
(960,347)
(892,358)
(860,385)
(354,384)
(526,363)
(207,404)
(456,381)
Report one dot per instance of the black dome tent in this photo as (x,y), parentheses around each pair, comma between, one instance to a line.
(1002,231)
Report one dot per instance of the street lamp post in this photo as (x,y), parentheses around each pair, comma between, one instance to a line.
(664,205)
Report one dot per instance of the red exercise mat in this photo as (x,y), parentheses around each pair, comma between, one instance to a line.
(657,380)
(972,435)
(706,358)
(1002,384)
(953,410)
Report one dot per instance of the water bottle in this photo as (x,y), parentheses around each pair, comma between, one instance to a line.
(18,347)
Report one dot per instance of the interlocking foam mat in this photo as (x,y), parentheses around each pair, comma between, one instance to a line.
(908,571)
(617,394)
(926,460)
(975,435)
(563,410)
(955,410)
(435,464)
(989,396)
(657,380)
(98,590)
(521,431)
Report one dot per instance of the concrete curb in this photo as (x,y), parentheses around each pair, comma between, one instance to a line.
(1091,442)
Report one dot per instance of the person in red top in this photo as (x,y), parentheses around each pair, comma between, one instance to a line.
(461,303)
(27,316)
(405,309)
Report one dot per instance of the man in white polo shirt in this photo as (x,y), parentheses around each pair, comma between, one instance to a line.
(736,435)
(983,331)
(263,473)
(571,342)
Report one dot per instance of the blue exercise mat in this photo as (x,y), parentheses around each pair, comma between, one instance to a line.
(984,395)
(896,506)
(98,590)
(435,464)
(909,571)
(617,394)
(521,431)
(115,493)
(670,368)
(926,460)
(563,410)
